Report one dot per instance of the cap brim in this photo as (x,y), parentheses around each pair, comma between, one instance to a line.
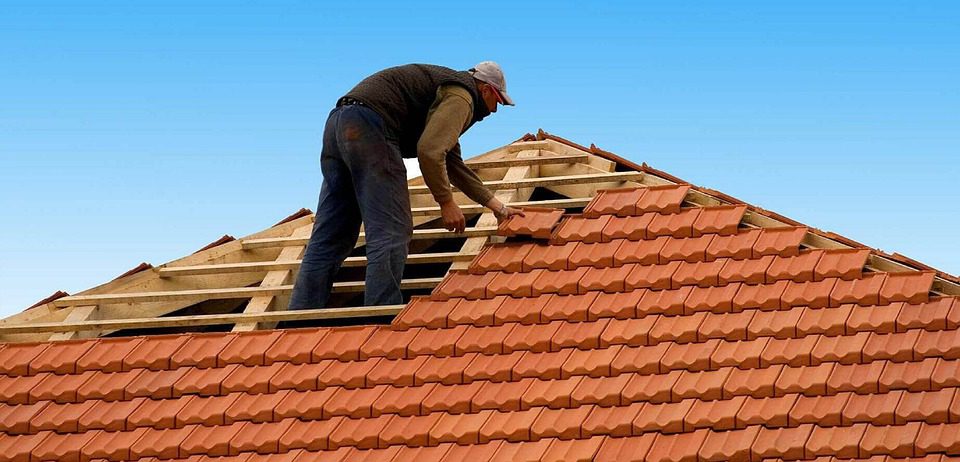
(507,100)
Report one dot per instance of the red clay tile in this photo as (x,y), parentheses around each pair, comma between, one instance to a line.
(820,410)
(720,219)
(570,307)
(626,449)
(534,337)
(19,448)
(880,319)
(944,343)
(826,321)
(602,391)
(510,426)
(913,376)
(59,388)
(938,438)
(361,433)
(397,372)
(682,447)
(409,430)
(864,291)
(503,396)
(675,224)
(300,377)
(810,294)
(205,411)
(897,347)
(612,421)
(596,254)
(703,274)
(64,448)
(424,453)
(594,363)
(717,414)
(17,390)
(306,405)
(752,271)
(353,403)
(877,409)
(460,283)
(551,257)
(521,451)
(582,450)
(351,374)
(946,373)
(842,442)
(423,312)
(156,385)
(451,398)
(632,332)
(543,365)
(61,418)
(663,198)
(797,268)
(779,324)
(582,335)
(841,263)
(621,202)
(934,315)
(681,329)
(162,444)
(310,435)
(730,445)
(476,312)
(910,287)
(106,354)
(522,310)
(693,249)
(513,284)
(459,428)
(549,393)
(763,296)
(632,228)
(248,348)
(786,443)
(650,388)
(201,350)
(202,381)
(485,340)
(436,342)
(210,441)
(154,352)
(668,302)
(16,419)
(645,359)
(536,222)
(744,354)
(844,350)
(772,411)
(738,246)
(459,453)
(109,386)
(808,380)
(757,383)
(388,343)
(859,378)
(620,305)
(932,407)
(703,385)
(15,358)
(714,299)
(503,257)
(111,445)
(157,413)
(493,367)
(558,282)
(261,438)
(342,343)
(295,346)
(651,276)
(251,379)
(645,252)
(689,356)
(560,423)
(790,351)
(578,228)
(896,441)
(784,241)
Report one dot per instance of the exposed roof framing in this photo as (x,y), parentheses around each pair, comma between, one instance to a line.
(258,270)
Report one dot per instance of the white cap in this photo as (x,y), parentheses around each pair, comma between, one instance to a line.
(491,73)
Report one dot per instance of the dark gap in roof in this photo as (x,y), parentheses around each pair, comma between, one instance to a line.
(544,194)
(206,307)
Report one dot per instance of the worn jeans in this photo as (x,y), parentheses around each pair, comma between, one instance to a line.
(364,179)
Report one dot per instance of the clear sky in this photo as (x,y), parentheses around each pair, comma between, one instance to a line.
(141,131)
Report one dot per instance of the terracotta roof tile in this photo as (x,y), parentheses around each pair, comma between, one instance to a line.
(827,321)
(783,241)
(912,376)
(839,441)
(717,414)
(522,310)
(675,224)
(575,228)
(762,296)
(797,268)
(933,407)
(651,276)
(682,447)
(779,324)
(723,219)
(664,199)
(503,396)
(436,342)
(773,411)
(682,329)
(787,443)
(537,222)
(609,280)
(702,274)
(156,413)
(864,291)
(632,332)
(594,363)
(841,263)
(938,438)
(621,202)
(740,353)
(558,282)
(507,257)
(692,249)
(361,433)
(944,343)
(898,347)
(859,378)
(645,252)
(476,312)
(809,380)
(730,445)
(551,257)
(462,284)
(911,287)
(934,315)
(560,423)
(459,428)
(737,246)
(310,435)
(206,411)
(880,319)
(757,383)
(626,449)
(111,445)
(632,228)
(751,271)
(811,294)
(689,356)
(422,312)
(409,430)
(493,367)
(306,405)
(567,307)
(598,254)
(668,302)
(645,360)
(620,305)
(549,393)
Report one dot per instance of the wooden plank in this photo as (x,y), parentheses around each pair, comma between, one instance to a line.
(79,314)
(429,233)
(476,208)
(542,159)
(265,266)
(198,295)
(498,185)
(200,320)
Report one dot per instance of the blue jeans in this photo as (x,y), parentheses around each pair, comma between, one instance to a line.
(364,179)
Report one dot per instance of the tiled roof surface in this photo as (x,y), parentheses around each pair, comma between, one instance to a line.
(640,330)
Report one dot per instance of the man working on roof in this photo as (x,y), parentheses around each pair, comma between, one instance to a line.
(416,110)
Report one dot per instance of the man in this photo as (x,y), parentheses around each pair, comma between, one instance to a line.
(415,110)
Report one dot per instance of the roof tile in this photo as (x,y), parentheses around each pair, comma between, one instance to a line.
(845,349)
(598,254)
(154,352)
(841,442)
(582,450)
(15,358)
(668,302)
(61,418)
(300,377)
(532,337)
(522,310)
(779,324)
(621,202)
(503,396)
(783,241)
(111,445)
(721,219)
(911,287)
(934,315)
(560,423)
(613,421)
(568,307)
(931,406)
(251,379)
(206,411)
(200,350)
(620,305)
(551,257)
(663,199)
(578,228)
(343,343)
(485,340)
(16,419)
(841,263)
(762,296)
(609,280)
(682,447)
(938,438)
(717,415)
(513,284)
(506,257)
(248,348)
(156,413)
(307,405)
(626,449)
(650,388)
(820,410)
(750,271)
(409,430)
(310,435)
(688,356)
(536,222)
(59,388)
(877,409)
(524,451)
(898,347)
(602,391)
(811,294)
(691,249)
(859,378)
(109,386)
(162,444)
(476,312)
(786,443)
(632,332)
(353,403)
(790,351)
(594,363)
(582,335)
(351,374)
(896,441)
(809,380)
(864,291)
(294,346)
(493,367)
(757,383)
(460,453)
(436,342)
(772,411)
(740,353)
(703,274)
(645,359)
(645,252)
(61,447)
(729,446)
(715,299)
(912,376)
(946,373)
(879,319)
(202,381)
(703,385)
(737,246)
(423,312)
(542,365)
(361,433)
(261,438)
(826,321)
(797,268)
(675,224)
(632,228)
(460,283)
(459,428)
(397,372)
(558,282)
(943,343)
(106,354)
(550,393)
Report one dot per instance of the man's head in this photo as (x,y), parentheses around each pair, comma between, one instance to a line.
(492,84)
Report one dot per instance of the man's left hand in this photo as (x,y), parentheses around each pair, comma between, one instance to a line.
(507,213)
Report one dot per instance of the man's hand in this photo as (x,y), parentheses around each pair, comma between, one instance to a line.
(507,213)
(453,218)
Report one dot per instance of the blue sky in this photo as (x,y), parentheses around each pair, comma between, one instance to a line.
(140,131)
